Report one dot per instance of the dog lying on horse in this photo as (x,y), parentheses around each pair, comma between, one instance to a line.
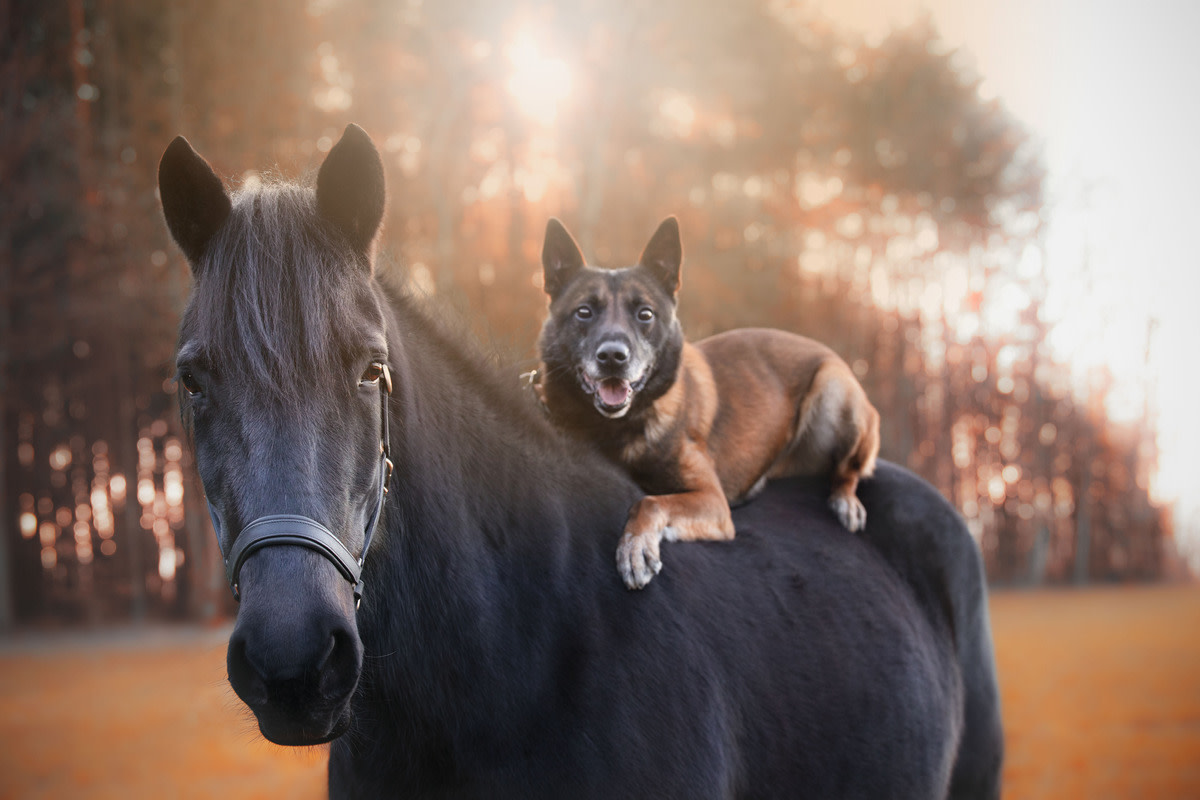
(494,653)
(700,426)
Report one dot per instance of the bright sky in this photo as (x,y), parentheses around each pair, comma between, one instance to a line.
(1112,89)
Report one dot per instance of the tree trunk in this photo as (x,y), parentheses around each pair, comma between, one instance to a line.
(1083,523)
(127,453)
(7,508)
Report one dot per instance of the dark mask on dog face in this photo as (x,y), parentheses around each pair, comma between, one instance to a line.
(612,341)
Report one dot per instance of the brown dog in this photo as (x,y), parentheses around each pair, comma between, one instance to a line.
(699,426)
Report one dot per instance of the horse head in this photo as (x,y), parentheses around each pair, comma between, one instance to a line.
(284,386)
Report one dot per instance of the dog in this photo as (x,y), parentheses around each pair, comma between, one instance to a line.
(699,426)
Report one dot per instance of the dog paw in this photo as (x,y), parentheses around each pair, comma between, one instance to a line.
(850,511)
(638,559)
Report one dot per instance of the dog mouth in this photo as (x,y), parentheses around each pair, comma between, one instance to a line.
(611,396)
(614,393)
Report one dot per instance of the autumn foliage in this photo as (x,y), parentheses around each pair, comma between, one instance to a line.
(865,195)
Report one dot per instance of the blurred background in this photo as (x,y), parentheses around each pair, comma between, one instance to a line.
(983,206)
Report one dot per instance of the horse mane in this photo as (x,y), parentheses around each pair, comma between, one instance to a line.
(272,292)
(461,353)
(275,296)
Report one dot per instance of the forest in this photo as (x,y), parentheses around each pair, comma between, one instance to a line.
(865,195)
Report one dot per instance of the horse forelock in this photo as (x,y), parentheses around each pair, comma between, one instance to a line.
(279,297)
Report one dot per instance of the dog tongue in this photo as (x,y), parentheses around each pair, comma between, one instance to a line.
(613,391)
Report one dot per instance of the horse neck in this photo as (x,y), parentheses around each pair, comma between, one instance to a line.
(492,521)
(477,447)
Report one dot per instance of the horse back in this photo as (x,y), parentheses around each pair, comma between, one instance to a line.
(845,681)
(799,660)
(855,664)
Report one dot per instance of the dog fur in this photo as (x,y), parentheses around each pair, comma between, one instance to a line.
(699,426)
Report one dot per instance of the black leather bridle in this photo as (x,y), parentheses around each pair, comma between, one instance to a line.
(276,530)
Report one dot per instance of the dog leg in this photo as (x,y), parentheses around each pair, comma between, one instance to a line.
(848,508)
(638,558)
(702,513)
(862,421)
(839,426)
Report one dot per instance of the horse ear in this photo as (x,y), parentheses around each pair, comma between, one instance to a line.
(350,188)
(194,201)
(561,257)
(663,255)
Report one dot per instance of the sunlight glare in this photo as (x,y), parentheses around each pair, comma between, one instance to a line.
(676,116)
(117,488)
(538,83)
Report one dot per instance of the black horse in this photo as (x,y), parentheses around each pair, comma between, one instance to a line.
(495,652)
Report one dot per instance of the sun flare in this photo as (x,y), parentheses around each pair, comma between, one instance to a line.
(538,83)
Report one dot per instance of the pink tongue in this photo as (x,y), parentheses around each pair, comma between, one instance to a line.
(613,391)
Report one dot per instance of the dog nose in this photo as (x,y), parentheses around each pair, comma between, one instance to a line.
(612,352)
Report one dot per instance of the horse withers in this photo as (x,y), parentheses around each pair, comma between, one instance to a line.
(455,627)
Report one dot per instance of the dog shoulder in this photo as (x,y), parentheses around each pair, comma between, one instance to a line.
(700,387)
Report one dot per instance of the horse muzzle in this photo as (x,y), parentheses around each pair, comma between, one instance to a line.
(295,655)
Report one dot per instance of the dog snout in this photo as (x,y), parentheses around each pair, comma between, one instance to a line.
(612,353)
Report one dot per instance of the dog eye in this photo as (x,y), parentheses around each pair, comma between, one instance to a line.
(189,383)
(583,312)
(372,374)
(645,314)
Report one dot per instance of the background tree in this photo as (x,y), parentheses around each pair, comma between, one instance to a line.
(865,195)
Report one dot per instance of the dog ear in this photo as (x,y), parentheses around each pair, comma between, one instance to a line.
(561,257)
(350,188)
(663,256)
(194,201)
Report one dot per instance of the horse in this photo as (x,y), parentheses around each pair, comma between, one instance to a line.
(424,565)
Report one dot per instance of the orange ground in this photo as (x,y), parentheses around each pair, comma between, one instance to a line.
(1101,692)
(1101,697)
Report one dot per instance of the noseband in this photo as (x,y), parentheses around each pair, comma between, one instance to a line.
(275,530)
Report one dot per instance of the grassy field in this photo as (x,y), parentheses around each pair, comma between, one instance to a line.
(1101,699)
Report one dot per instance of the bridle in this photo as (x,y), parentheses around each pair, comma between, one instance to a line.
(276,530)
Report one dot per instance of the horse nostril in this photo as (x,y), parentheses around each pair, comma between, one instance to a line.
(340,667)
(244,677)
(615,352)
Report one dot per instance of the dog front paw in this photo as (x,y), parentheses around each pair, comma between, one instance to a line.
(638,559)
(849,510)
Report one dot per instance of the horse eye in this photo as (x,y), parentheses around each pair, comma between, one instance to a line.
(373,373)
(189,383)
(583,312)
(645,314)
